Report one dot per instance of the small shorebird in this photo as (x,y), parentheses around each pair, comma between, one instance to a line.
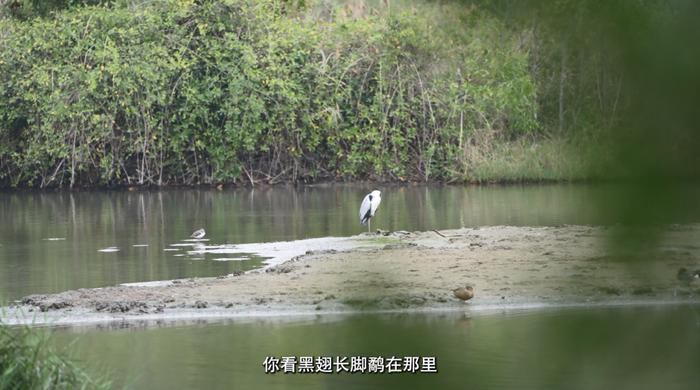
(687,276)
(464,293)
(369,206)
(198,234)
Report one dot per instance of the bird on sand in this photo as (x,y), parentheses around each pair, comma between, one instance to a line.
(464,293)
(200,233)
(688,276)
(369,206)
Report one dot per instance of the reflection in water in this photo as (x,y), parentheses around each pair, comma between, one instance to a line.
(52,242)
(614,348)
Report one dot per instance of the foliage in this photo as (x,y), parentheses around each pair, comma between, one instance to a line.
(28,362)
(241,91)
(24,9)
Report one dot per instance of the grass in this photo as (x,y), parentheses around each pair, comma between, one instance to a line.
(548,159)
(27,361)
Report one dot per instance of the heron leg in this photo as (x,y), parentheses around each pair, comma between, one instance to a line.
(369,225)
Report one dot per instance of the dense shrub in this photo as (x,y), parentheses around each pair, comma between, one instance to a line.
(244,90)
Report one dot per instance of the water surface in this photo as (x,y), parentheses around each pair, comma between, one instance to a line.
(613,348)
(52,242)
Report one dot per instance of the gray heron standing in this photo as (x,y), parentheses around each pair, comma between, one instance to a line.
(369,206)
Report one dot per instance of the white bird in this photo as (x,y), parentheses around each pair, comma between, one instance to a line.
(199,234)
(369,206)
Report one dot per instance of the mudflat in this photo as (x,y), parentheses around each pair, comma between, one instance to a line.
(507,266)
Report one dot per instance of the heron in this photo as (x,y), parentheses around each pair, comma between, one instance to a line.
(369,206)
(198,234)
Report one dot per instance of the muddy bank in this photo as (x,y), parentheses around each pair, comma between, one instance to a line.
(508,267)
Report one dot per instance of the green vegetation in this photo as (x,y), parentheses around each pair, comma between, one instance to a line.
(28,362)
(244,91)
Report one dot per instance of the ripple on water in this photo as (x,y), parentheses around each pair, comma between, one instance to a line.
(231,258)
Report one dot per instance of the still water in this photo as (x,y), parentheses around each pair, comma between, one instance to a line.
(51,242)
(594,348)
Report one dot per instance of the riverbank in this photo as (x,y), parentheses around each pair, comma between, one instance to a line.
(541,161)
(509,267)
(548,161)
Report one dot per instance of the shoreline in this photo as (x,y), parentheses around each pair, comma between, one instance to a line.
(189,316)
(511,268)
(320,183)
